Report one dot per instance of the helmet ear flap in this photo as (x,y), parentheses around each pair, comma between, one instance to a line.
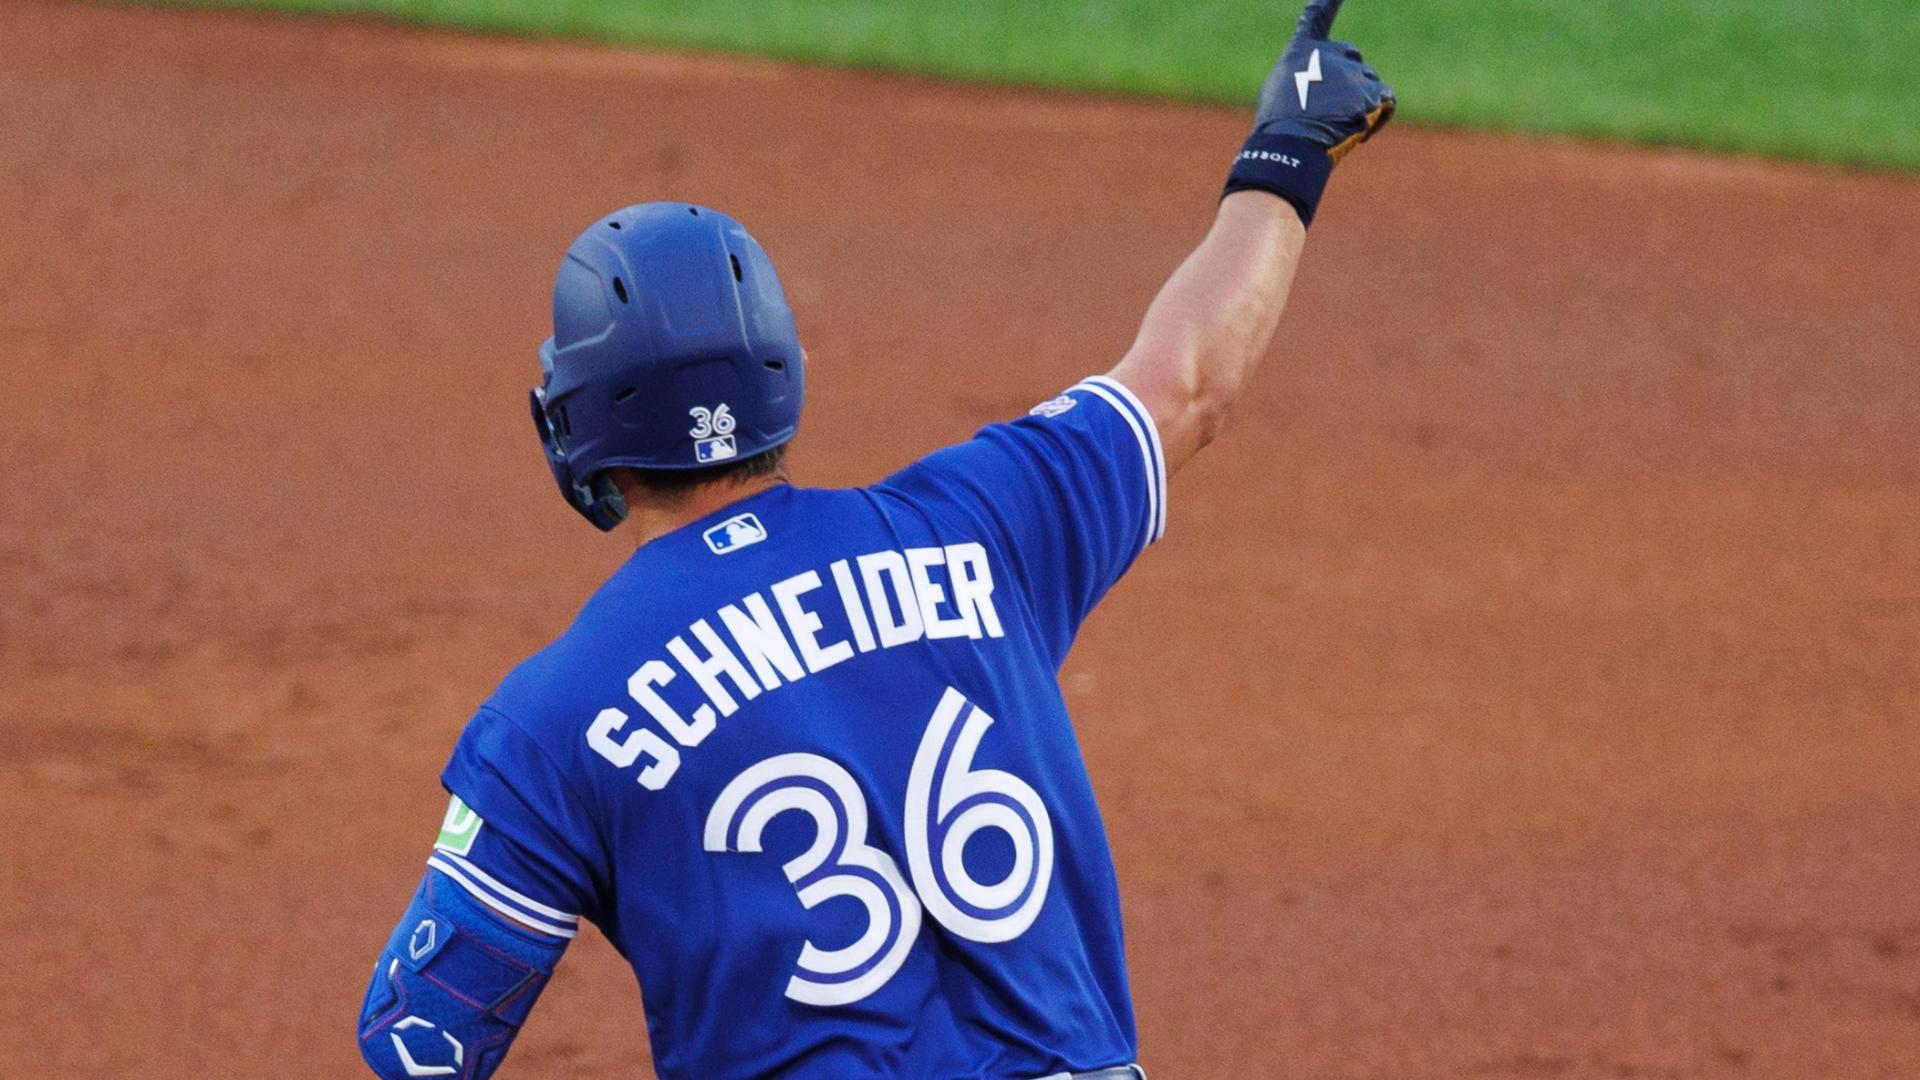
(599,499)
(609,507)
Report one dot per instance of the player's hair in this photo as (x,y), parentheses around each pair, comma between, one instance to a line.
(673,482)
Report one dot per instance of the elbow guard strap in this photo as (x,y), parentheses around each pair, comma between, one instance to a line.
(452,987)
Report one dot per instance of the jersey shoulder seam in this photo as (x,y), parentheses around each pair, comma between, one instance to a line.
(552,762)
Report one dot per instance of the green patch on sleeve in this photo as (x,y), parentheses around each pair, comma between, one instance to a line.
(460,829)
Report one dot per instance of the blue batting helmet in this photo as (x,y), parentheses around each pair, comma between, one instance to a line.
(673,348)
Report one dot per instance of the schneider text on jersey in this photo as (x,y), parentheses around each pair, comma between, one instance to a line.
(773,637)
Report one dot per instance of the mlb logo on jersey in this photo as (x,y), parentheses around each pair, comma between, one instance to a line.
(1054,407)
(741,530)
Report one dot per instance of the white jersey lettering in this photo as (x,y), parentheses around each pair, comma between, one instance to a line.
(805,625)
(888,598)
(761,641)
(892,566)
(856,609)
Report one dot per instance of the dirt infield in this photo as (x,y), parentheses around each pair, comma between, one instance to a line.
(1527,686)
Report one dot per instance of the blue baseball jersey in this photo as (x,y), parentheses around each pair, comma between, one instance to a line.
(806,764)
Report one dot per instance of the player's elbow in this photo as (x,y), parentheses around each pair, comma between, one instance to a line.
(1189,391)
(453,986)
(1205,399)
(1208,412)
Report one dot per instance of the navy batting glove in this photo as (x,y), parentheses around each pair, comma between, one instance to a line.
(1320,101)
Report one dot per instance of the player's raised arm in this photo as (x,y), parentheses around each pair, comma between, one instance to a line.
(1214,319)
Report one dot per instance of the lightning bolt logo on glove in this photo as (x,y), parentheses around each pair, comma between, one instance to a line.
(1305,79)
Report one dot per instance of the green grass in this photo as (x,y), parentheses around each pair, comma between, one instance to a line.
(1828,80)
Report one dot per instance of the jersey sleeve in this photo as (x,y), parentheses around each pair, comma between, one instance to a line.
(1071,494)
(517,837)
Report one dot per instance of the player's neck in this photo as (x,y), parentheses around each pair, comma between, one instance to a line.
(651,516)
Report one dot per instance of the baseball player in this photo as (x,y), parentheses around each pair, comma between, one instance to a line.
(803,758)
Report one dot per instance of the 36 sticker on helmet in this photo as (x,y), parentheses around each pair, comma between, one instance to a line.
(713,433)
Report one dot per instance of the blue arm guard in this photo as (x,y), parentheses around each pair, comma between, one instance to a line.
(452,987)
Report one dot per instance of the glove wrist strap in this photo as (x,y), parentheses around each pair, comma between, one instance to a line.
(1289,166)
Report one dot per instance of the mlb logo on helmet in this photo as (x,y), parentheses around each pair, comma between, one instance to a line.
(709,450)
(738,531)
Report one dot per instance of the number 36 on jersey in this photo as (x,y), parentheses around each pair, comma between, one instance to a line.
(948,802)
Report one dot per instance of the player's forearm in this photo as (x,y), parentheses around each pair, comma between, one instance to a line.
(1213,321)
